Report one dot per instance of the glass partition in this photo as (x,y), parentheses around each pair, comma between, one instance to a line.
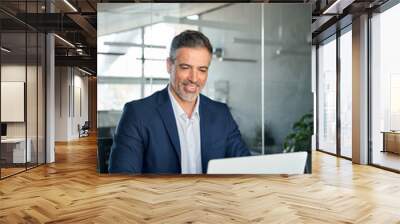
(41,96)
(385,89)
(288,100)
(32,98)
(327,95)
(22,91)
(15,151)
(346,93)
(235,74)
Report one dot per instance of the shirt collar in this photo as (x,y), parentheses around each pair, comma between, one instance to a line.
(178,111)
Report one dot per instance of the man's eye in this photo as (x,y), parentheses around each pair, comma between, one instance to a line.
(184,67)
(203,70)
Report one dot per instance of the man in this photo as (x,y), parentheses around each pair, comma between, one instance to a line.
(177,130)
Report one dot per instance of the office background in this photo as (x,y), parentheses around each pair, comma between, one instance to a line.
(355,88)
(268,87)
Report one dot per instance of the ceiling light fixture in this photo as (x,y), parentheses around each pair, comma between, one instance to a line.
(70,5)
(64,40)
(84,71)
(337,7)
(5,50)
(193,17)
(329,9)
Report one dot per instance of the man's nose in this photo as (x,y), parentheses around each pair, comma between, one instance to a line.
(193,76)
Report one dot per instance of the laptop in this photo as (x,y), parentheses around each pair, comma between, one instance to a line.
(281,163)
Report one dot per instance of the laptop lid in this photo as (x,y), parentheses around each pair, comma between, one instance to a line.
(282,163)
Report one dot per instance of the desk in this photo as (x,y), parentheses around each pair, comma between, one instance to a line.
(13,150)
(391,141)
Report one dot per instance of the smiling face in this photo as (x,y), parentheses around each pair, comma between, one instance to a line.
(189,72)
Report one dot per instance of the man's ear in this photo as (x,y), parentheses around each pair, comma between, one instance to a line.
(169,65)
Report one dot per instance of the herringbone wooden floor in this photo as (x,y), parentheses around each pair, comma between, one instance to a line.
(70,191)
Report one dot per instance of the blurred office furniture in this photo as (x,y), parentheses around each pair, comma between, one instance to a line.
(3,130)
(391,141)
(84,129)
(13,151)
(104,141)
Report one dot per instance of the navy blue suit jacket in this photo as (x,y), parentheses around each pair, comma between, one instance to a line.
(147,141)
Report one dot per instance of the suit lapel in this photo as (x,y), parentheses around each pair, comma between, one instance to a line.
(203,133)
(167,114)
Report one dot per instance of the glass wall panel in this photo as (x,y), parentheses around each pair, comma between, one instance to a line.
(346,94)
(22,90)
(327,96)
(288,100)
(120,66)
(235,73)
(155,69)
(41,79)
(112,97)
(32,85)
(385,87)
(31,98)
(15,149)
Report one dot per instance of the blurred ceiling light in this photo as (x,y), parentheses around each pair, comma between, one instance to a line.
(64,40)
(337,7)
(84,71)
(193,17)
(70,5)
(5,50)
(329,9)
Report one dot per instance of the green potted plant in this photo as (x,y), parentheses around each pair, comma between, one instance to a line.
(300,138)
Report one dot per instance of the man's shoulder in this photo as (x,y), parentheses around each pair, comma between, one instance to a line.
(212,104)
(145,104)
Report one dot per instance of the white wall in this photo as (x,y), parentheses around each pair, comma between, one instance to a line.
(79,117)
(61,103)
(70,83)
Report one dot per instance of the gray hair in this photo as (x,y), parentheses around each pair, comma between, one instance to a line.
(191,39)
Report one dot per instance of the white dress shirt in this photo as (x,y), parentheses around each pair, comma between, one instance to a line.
(189,136)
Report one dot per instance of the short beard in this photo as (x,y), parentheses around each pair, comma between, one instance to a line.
(188,97)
